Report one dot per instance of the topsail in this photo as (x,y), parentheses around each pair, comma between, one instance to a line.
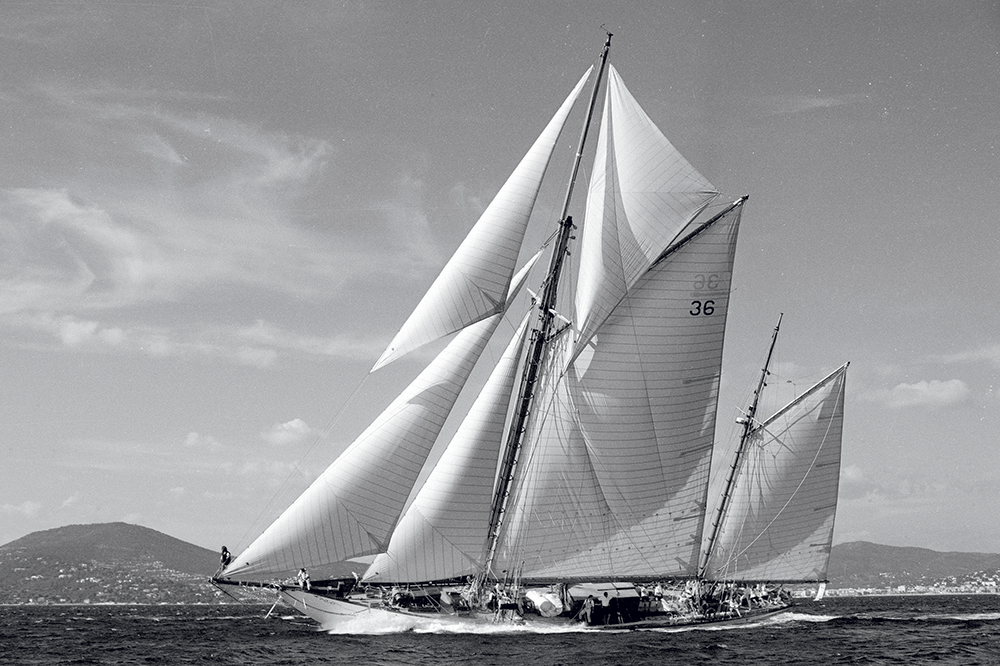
(642,195)
(474,282)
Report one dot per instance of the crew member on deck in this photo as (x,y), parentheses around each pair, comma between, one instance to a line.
(303,579)
(588,610)
(225,558)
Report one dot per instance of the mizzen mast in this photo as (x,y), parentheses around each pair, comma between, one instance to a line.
(749,424)
(541,334)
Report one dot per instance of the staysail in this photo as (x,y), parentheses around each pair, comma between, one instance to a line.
(474,282)
(779,522)
(442,533)
(351,509)
(615,467)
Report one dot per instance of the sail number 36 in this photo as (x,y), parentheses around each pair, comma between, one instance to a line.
(702,308)
(706,308)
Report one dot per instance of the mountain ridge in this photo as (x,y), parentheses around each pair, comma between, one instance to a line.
(106,563)
(863,564)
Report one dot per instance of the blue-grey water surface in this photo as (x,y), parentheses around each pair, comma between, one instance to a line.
(865,630)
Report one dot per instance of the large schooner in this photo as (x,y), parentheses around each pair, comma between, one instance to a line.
(576,486)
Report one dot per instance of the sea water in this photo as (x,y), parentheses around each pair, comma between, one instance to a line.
(941,629)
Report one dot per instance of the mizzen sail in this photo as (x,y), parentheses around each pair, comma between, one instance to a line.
(779,522)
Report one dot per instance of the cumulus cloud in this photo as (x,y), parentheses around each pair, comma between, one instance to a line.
(77,332)
(933,393)
(291,432)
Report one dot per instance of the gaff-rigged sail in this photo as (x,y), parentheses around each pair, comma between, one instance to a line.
(615,468)
(474,282)
(442,533)
(643,193)
(779,522)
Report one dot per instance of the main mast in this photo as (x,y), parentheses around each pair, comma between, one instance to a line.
(540,336)
(749,424)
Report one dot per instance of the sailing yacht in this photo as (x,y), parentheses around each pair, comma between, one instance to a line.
(576,486)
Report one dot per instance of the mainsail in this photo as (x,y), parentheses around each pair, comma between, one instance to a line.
(779,522)
(615,465)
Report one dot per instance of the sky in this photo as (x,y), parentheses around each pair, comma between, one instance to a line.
(214,216)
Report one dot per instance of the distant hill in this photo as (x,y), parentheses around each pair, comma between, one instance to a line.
(116,542)
(860,564)
(109,562)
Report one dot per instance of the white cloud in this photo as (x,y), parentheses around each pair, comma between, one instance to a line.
(780,104)
(27,508)
(256,357)
(988,353)
(199,441)
(852,473)
(291,432)
(73,333)
(933,393)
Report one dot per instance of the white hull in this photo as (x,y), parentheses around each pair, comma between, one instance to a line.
(349,616)
(358,617)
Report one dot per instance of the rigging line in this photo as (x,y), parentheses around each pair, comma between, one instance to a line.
(734,470)
(816,387)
